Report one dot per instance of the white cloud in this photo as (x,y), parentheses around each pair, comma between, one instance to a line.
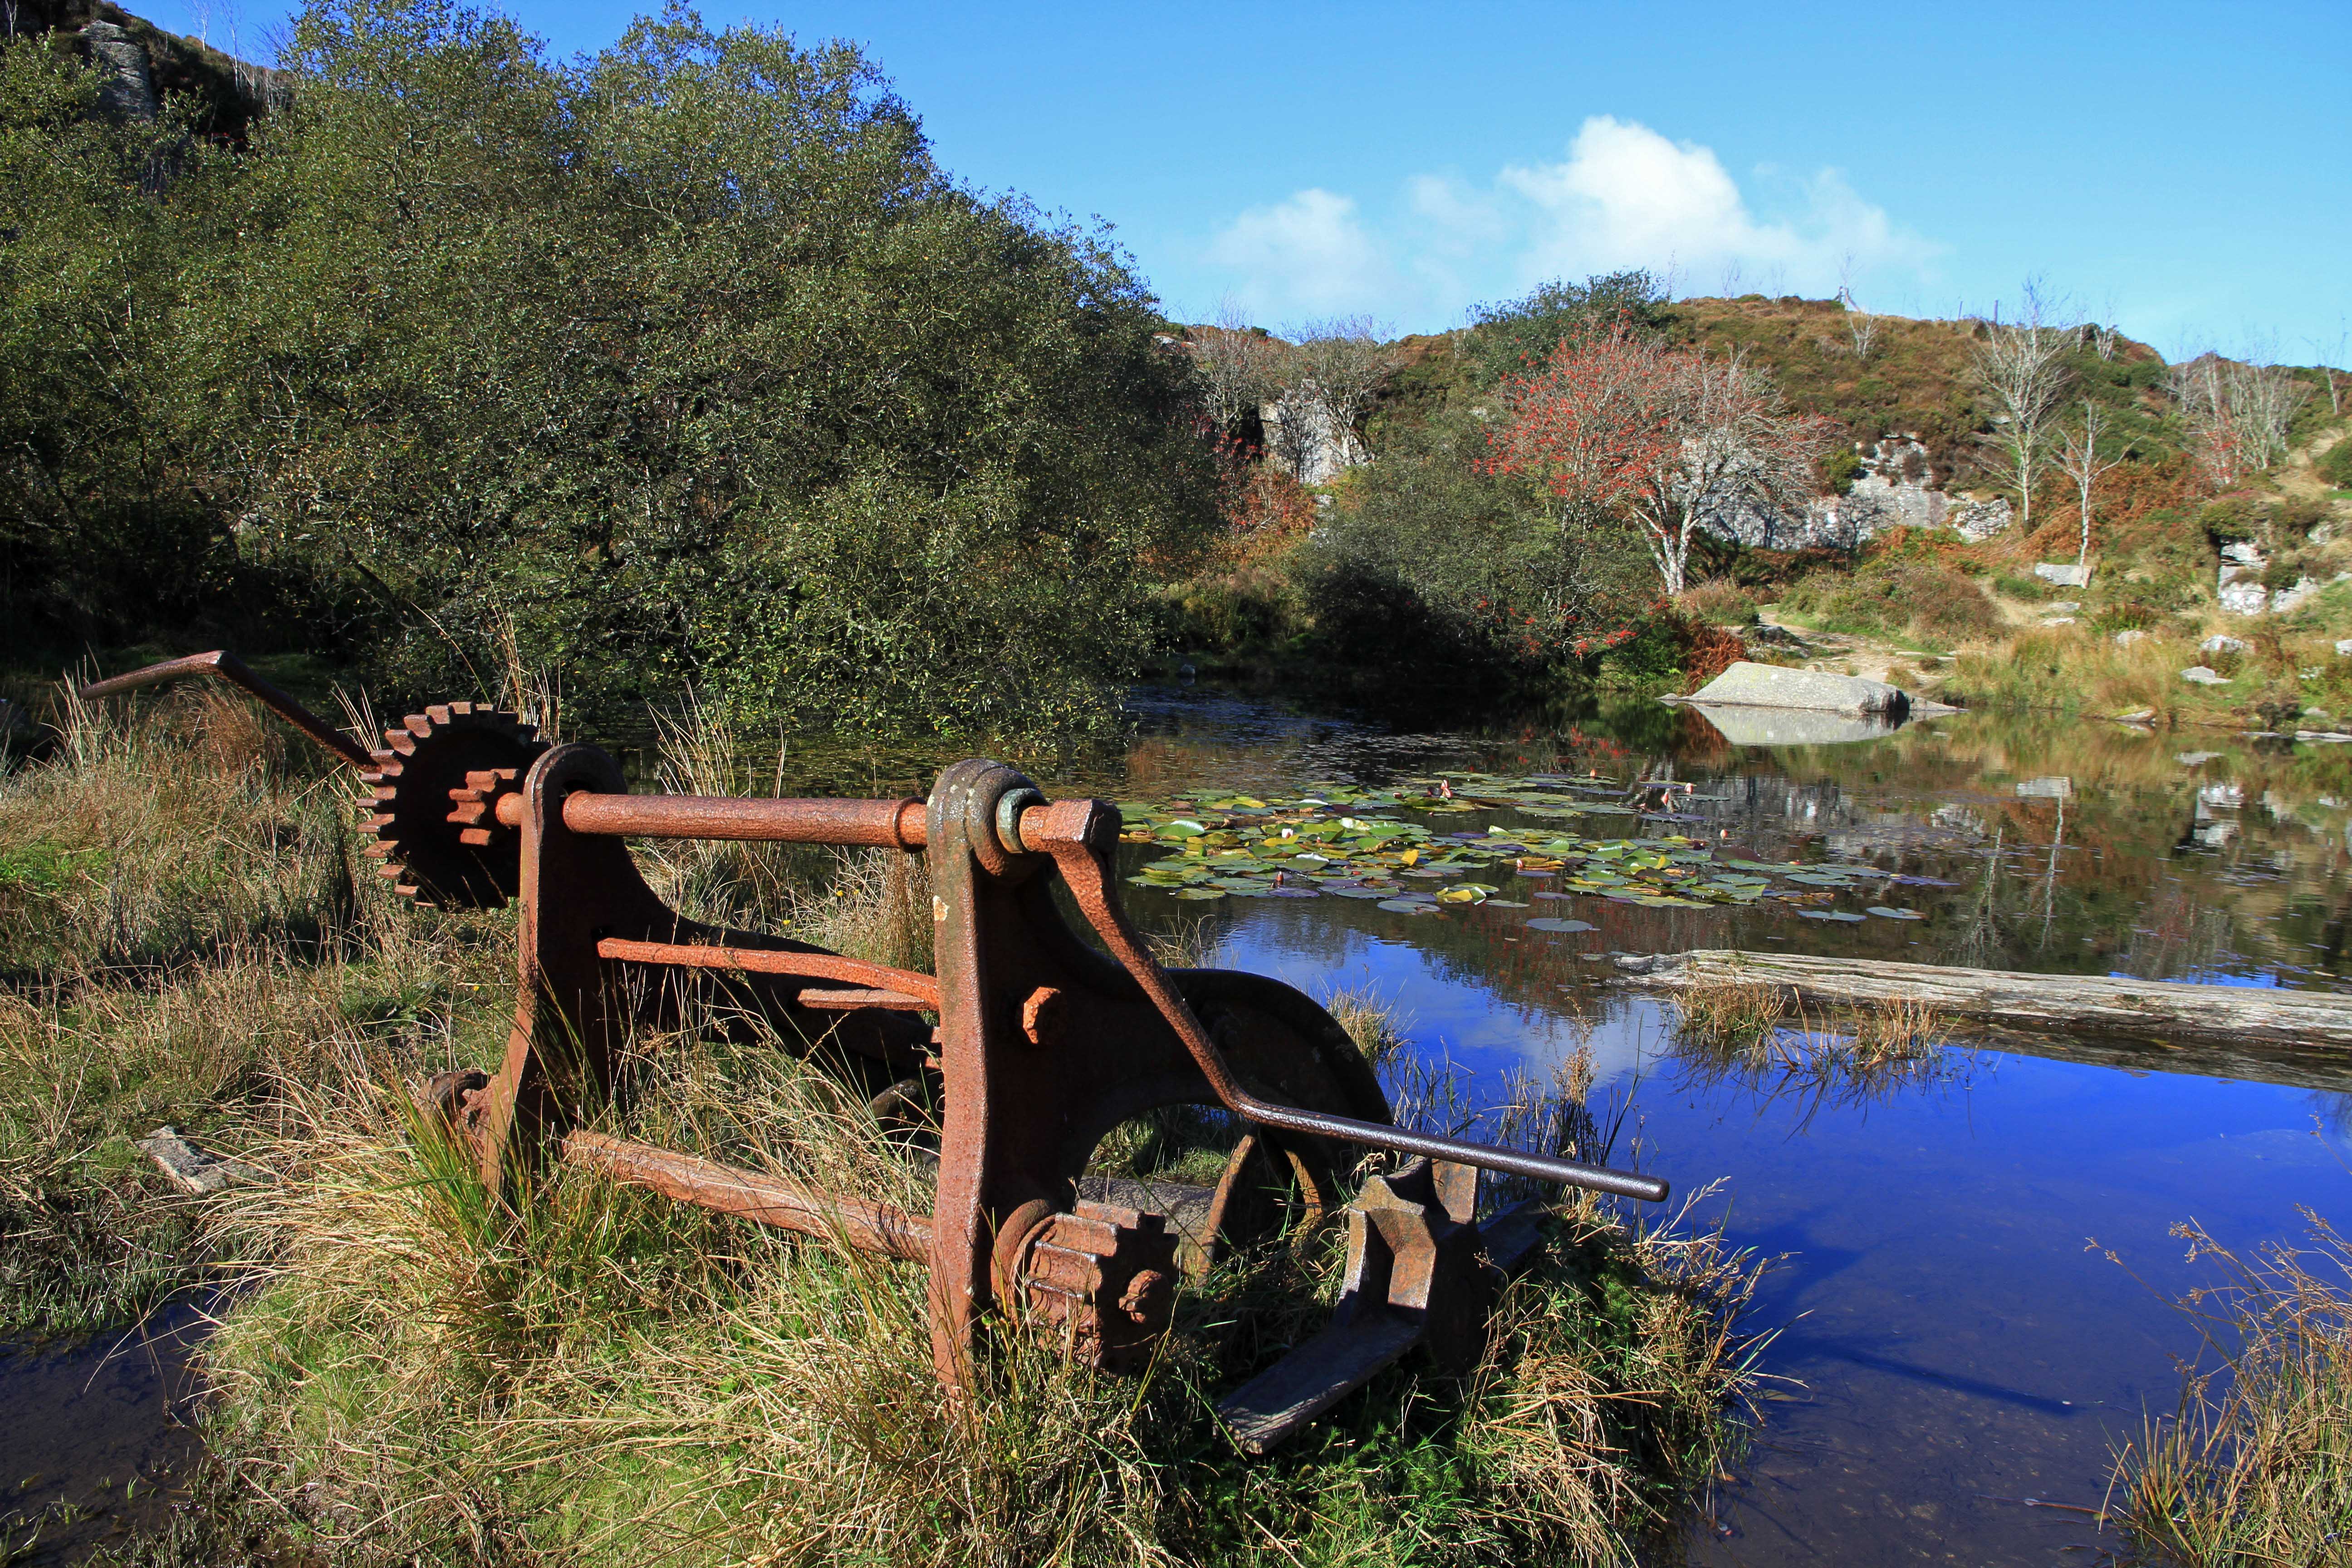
(1308,254)
(1623,196)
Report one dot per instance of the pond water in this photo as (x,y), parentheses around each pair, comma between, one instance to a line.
(1959,1356)
(1958,1351)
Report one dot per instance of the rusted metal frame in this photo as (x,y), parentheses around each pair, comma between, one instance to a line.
(573,1015)
(222,665)
(1079,835)
(900,983)
(883,1229)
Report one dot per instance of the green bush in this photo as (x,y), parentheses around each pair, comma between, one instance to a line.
(2334,464)
(1897,597)
(685,362)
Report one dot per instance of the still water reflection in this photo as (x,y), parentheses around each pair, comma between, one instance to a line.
(1959,1352)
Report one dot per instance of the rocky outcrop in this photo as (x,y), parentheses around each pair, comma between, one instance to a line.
(1891,491)
(125,90)
(1302,436)
(1747,685)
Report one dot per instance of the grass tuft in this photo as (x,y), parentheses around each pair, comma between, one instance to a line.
(2256,1465)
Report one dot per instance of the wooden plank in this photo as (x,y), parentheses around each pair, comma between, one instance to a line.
(1314,1377)
(2298,1038)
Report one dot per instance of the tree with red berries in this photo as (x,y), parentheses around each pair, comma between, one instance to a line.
(1619,425)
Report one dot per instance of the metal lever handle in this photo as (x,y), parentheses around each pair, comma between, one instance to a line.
(1079,835)
(223,664)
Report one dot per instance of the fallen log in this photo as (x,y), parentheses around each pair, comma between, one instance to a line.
(2302,1039)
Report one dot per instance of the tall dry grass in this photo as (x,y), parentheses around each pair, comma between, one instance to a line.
(1760,1033)
(2256,1466)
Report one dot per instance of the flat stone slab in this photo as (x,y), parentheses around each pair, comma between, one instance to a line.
(2064,576)
(1747,685)
(192,1169)
(2198,675)
(1743,726)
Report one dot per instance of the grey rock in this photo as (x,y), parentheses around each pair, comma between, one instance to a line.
(2064,575)
(2247,598)
(2344,647)
(2129,636)
(2196,758)
(1979,521)
(193,1170)
(125,87)
(2223,796)
(2045,789)
(1748,685)
(2286,599)
(2062,607)
(2214,835)
(1303,437)
(2137,716)
(2219,644)
(2058,621)
(2243,552)
(1745,726)
(2197,674)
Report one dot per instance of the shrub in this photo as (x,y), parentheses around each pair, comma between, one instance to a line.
(1921,598)
(2335,464)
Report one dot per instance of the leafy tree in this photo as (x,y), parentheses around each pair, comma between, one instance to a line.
(690,362)
(1509,338)
(1620,424)
(103,519)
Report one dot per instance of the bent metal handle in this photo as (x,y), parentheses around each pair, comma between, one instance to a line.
(1079,834)
(223,664)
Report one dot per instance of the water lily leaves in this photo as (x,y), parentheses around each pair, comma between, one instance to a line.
(1885,913)
(1565,926)
(1199,893)
(1848,916)
(1183,829)
(1408,906)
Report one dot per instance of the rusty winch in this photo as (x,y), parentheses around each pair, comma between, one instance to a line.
(1042,1045)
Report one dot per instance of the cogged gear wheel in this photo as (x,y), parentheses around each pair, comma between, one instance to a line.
(432,805)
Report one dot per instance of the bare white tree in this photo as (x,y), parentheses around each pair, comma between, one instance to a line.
(1861,326)
(2329,356)
(2079,459)
(2022,368)
(2238,411)
(1339,366)
(1237,366)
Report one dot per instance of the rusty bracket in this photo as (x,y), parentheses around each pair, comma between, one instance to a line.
(1421,1271)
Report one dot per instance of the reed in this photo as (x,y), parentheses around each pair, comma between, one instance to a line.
(2256,1465)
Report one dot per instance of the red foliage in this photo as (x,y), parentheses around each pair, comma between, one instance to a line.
(1591,423)
(1708,651)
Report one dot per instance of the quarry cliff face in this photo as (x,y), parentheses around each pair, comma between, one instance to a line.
(140,65)
(1893,490)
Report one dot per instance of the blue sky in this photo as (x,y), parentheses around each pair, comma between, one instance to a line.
(2185,170)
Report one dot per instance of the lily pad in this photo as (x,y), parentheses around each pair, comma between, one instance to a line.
(1885,913)
(1848,916)
(1548,923)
